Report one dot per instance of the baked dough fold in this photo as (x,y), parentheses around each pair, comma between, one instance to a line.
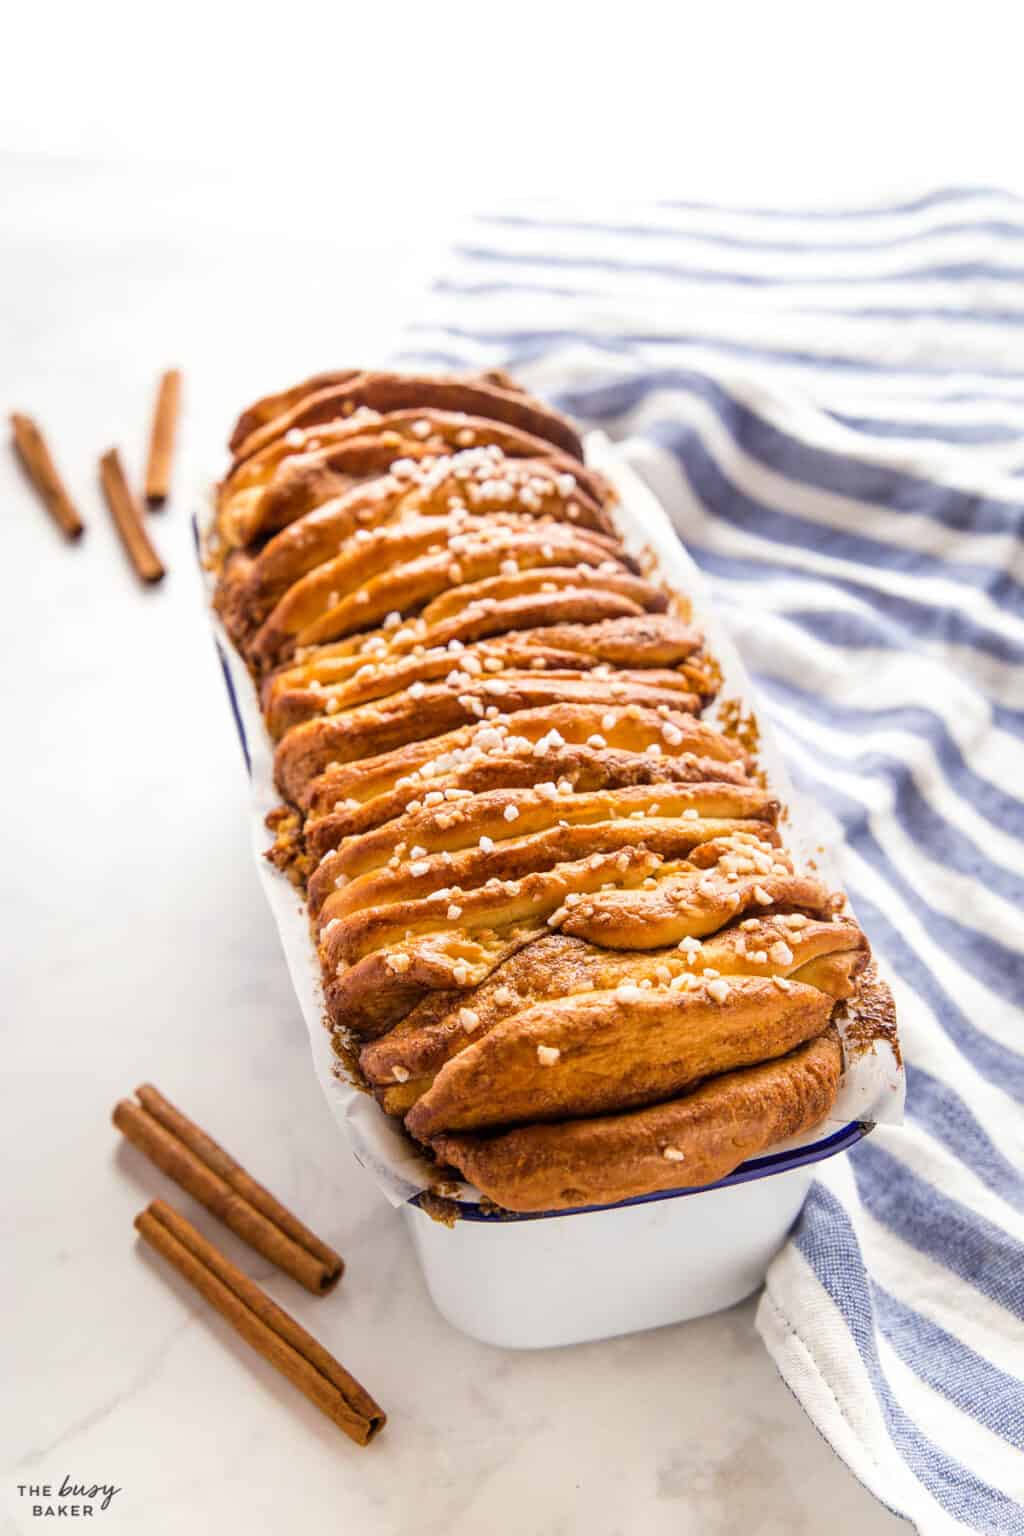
(555,914)
(683,1143)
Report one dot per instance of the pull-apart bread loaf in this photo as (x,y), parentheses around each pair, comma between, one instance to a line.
(554,911)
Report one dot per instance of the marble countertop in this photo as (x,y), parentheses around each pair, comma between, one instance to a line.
(142,950)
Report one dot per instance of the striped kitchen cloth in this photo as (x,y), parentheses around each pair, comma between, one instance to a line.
(830,405)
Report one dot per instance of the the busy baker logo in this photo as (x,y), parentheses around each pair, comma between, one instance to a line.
(68,1499)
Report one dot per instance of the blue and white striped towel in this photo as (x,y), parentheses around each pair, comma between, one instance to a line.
(831,407)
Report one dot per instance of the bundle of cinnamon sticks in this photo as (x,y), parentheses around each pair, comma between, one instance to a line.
(199,1165)
(38,463)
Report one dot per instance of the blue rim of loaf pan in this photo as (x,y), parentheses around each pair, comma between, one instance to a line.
(756,1168)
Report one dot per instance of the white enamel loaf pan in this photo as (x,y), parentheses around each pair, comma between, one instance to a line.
(531,1282)
(534,1281)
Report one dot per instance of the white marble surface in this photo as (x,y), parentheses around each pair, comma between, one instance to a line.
(140,949)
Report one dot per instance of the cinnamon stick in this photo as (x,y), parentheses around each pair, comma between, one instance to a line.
(42,471)
(127,515)
(262,1323)
(161,440)
(192,1159)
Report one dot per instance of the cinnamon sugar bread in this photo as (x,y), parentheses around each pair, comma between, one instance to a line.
(552,904)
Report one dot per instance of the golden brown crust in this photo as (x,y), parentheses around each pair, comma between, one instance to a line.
(401,569)
(603,1051)
(386,392)
(708,1132)
(375,463)
(668,651)
(338,510)
(269,407)
(464,932)
(585,769)
(628,730)
(375,729)
(554,904)
(700,812)
(288,706)
(500,859)
(505,620)
(503,605)
(403,1064)
(689,903)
